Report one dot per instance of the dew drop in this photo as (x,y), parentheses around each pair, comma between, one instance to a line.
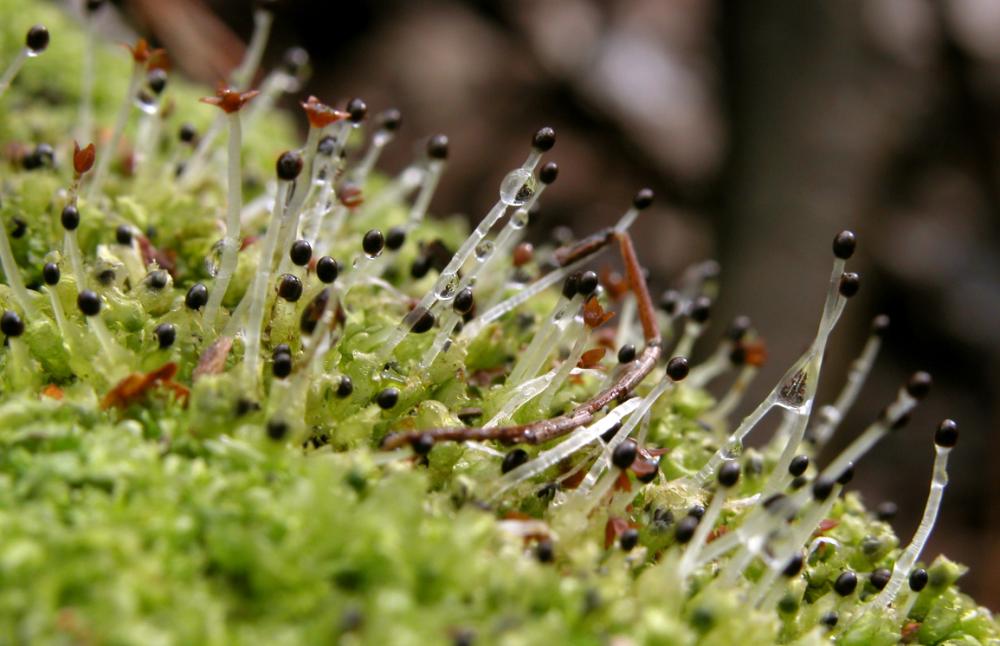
(484,249)
(517,187)
(449,286)
(519,220)
(214,258)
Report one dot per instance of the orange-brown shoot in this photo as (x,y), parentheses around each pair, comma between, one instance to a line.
(83,158)
(228,99)
(320,114)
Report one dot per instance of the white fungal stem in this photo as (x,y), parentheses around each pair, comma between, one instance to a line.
(705,525)
(692,331)
(720,414)
(12,69)
(708,370)
(626,332)
(363,168)
(543,341)
(65,331)
(905,562)
(797,421)
(427,187)
(573,443)
(13,273)
(199,160)
(831,415)
(448,321)
(582,335)
(107,153)
(243,75)
(231,242)
(72,250)
(520,396)
(116,366)
(274,85)
(147,136)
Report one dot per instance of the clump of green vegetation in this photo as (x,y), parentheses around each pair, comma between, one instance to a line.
(253,393)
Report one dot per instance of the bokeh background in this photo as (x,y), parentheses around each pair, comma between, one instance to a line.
(764,127)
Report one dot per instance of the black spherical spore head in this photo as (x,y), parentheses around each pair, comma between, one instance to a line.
(548,172)
(830,619)
(289,165)
(919,384)
(156,79)
(880,577)
(290,287)
(123,234)
(51,273)
(844,244)
(629,539)
(544,139)
(89,302)
(394,238)
(70,217)
(625,453)
(649,476)
(345,387)
(918,579)
(327,145)
(422,444)
(626,353)
(37,39)
(678,368)
(465,300)
(738,328)
(277,430)
(281,348)
(946,435)
(685,529)
(822,488)
(11,324)
(390,120)
(295,60)
(423,323)
(798,465)
(281,365)
(20,228)
(187,133)
(850,283)
(846,583)
(327,269)
(588,283)
(697,511)
(729,473)
(846,475)
(387,398)
(196,297)
(166,334)
(701,309)
(437,147)
(513,460)
(670,301)
(357,108)
(880,324)
(301,252)
(545,551)
(93,5)
(643,198)
(157,279)
(373,242)
(886,511)
(794,566)
(571,286)
(420,266)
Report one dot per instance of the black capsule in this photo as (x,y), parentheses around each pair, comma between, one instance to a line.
(571,286)
(93,5)
(420,266)
(423,444)
(423,323)
(390,120)
(395,238)
(327,269)
(289,166)
(544,139)
(387,398)
(37,39)
(670,301)
(646,478)
(678,368)
(880,577)
(465,300)
(798,483)
(643,198)
(588,283)
(277,430)
(886,511)
(11,324)
(850,283)
(685,529)
(629,539)
(196,297)
(738,328)
(20,228)
(301,252)
(281,348)
(798,465)
(157,80)
(626,353)
(919,385)
(70,217)
(729,473)
(697,511)
(624,454)
(88,302)
(106,276)
(166,334)
(545,551)
(290,287)
(345,387)
(513,460)
(357,108)
(157,279)
(880,324)
(843,245)
(846,583)
(846,475)
(281,366)
(946,435)
(327,145)
(918,579)
(123,234)
(794,566)
(373,242)
(829,619)
(437,147)
(187,133)
(701,309)
(51,273)
(822,488)
(548,173)
(295,60)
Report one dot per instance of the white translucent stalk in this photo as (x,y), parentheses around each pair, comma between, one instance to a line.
(12,69)
(231,242)
(147,136)
(396,190)
(749,536)
(301,193)
(313,221)
(576,353)
(708,370)
(85,119)
(116,364)
(273,86)
(705,525)
(107,152)
(427,187)
(72,250)
(626,220)
(13,273)
(543,342)
(692,331)
(195,166)
(796,433)
(243,75)
(733,396)
(904,564)
(60,316)
(493,281)
(626,321)
(520,396)
(573,443)
(831,415)
(448,321)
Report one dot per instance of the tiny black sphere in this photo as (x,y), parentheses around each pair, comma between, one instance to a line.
(850,283)
(89,302)
(697,510)
(738,328)
(880,324)
(395,238)
(420,266)
(918,579)
(626,353)
(196,297)
(844,244)
(919,385)
(646,478)
(390,119)
(513,460)
(123,234)
(465,300)
(345,387)
(423,444)
(548,173)
(327,145)
(729,473)
(289,165)
(588,283)
(424,323)
(571,286)
(295,60)
(946,435)
(670,301)
(886,511)
(794,566)
(357,108)
(11,324)
(282,365)
(373,242)
(327,269)
(281,348)
(437,147)
(158,279)
(629,539)
(625,453)
(94,5)
(643,198)
(830,619)
(798,465)
(301,252)
(290,288)
(166,334)
(846,475)
(277,430)
(187,133)
(51,273)
(880,577)
(822,488)
(685,529)
(387,398)
(701,309)
(70,217)
(545,551)
(157,80)
(544,139)
(846,583)
(678,368)
(37,39)
(20,228)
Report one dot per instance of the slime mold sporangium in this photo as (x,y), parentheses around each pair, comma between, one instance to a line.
(256,393)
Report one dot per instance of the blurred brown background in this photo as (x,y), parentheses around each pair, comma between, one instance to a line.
(765,127)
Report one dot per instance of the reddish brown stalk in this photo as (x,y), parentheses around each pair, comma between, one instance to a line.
(549,429)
